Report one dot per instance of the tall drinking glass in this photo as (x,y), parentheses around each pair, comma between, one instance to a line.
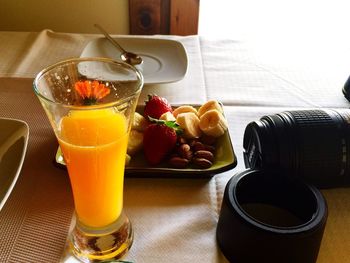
(90,103)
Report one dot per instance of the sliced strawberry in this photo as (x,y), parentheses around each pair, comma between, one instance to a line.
(159,139)
(156,106)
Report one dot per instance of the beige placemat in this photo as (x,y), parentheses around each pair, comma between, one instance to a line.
(34,221)
(174,219)
(24,54)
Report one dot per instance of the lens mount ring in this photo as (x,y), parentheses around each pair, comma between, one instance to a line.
(267,217)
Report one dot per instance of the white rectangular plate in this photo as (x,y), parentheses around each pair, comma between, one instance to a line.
(164,60)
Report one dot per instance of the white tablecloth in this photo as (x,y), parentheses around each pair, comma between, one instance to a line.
(174,219)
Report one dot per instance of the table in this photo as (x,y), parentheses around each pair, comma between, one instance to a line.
(174,219)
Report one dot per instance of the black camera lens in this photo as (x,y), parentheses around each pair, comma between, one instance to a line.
(313,145)
(346,89)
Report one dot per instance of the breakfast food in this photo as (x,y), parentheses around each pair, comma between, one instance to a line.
(159,140)
(139,122)
(213,123)
(135,142)
(194,152)
(189,122)
(179,137)
(209,105)
(155,106)
(167,116)
(184,109)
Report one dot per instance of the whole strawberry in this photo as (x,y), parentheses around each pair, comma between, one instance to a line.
(156,106)
(159,139)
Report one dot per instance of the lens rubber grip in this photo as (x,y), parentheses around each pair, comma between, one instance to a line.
(245,237)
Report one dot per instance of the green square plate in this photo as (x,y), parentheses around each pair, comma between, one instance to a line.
(225,159)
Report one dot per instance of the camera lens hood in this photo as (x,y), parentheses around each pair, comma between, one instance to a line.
(266,217)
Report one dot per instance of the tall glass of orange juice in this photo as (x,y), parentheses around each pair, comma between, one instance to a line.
(90,103)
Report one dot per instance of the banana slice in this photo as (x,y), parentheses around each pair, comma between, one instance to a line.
(135,142)
(209,105)
(213,123)
(139,122)
(167,116)
(189,122)
(183,109)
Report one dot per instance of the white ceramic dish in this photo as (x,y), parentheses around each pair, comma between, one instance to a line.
(13,146)
(163,60)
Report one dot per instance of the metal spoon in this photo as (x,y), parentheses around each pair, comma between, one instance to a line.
(128,57)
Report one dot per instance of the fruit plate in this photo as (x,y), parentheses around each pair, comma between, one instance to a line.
(164,60)
(13,145)
(225,159)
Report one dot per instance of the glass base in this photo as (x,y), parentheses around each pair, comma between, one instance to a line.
(97,245)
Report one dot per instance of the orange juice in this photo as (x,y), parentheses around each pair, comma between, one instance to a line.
(94,145)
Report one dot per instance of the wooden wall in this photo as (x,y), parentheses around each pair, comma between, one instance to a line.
(174,17)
